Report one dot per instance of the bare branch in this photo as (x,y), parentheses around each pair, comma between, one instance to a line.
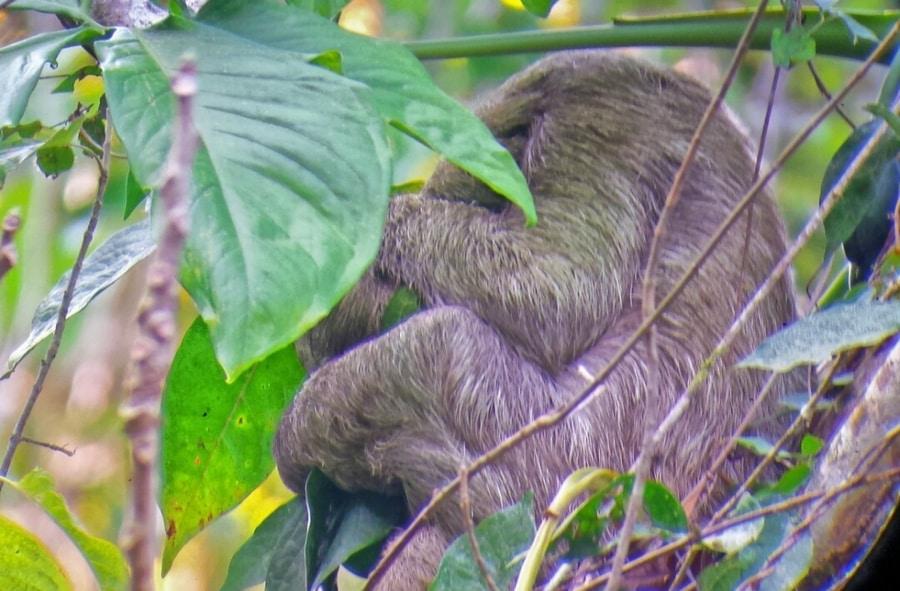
(151,354)
(51,446)
(16,436)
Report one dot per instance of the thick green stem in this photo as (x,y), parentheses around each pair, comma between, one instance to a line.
(719,29)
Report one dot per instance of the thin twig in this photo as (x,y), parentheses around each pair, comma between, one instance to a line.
(8,255)
(648,303)
(151,354)
(820,84)
(465,506)
(555,416)
(16,436)
(52,446)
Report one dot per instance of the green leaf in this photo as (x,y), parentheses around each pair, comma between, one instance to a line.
(70,8)
(742,535)
(402,91)
(102,268)
(25,563)
(793,47)
(104,558)
(290,182)
(287,566)
(539,8)
(365,520)
(56,155)
(860,219)
(816,338)
(730,571)
(890,90)
(325,8)
(251,562)
(216,437)
(134,194)
(811,445)
(403,303)
(790,482)
(22,63)
(501,538)
(55,160)
(12,156)
(663,508)
(342,525)
(857,29)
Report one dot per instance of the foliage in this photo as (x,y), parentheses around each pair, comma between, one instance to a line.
(303,128)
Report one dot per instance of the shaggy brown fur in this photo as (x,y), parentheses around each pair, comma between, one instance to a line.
(510,313)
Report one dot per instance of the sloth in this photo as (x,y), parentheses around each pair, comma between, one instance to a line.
(512,317)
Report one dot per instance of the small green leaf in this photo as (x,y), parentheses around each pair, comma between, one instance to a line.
(68,83)
(55,160)
(789,482)
(793,47)
(56,155)
(25,563)
(539,8)
(663,508)
(104,558)
(216,441)
(330,60)
(741,535)
(811,445)
(101,268)
(134,194)
(24,130)
(251,562)
(12,156)
(816,338)
(407,187)
(857,30)
(327,8)
(403,304)
(501,538)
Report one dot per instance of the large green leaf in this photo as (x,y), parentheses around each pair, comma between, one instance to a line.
(814,339)
(25,563)
(402,90)
(217,437)
(102,268)
(22,63)
(290,183)
(104,557)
